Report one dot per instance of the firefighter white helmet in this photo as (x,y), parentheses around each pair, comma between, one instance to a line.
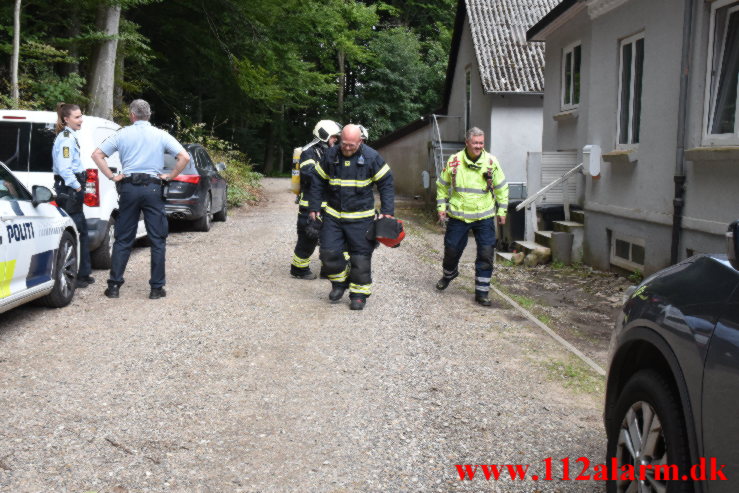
(325,129)
(363,132)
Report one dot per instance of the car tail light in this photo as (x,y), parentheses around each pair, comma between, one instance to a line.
(187,178)
(92,189)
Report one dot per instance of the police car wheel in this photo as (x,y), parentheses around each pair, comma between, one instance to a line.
(65,273)
(102,256)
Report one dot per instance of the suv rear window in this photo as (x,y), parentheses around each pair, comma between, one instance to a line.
(14,143)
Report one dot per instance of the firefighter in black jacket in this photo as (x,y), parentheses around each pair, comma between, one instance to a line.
(326,133)
(344,178)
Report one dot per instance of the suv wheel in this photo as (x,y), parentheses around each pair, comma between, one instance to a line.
(102,256)
(203,223)
(65,273)
(648,429)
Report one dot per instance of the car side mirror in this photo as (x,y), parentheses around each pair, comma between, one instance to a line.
(221,166)
(732,244)
(40,194)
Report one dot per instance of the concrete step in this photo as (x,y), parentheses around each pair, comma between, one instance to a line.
(543,238)
(568,226)
(525,246)
(577,216)
(504,256)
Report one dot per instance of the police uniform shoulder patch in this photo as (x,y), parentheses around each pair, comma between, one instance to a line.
(66,133)
(65,151)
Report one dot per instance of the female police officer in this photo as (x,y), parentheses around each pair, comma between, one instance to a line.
(70,177)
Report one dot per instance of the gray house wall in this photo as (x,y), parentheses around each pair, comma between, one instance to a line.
(636,200)
(408,158)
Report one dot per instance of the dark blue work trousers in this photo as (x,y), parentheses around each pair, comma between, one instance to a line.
(455,239)
(79,220)
(133,200)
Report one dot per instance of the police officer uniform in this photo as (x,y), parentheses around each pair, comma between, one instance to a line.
(472,193)
(69,175)
(346,183)
(306,244)
(141,148)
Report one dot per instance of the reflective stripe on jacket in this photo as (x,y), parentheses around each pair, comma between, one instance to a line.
(346,184)
(463,192)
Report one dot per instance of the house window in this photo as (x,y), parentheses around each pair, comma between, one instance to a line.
(627,252)
(571,76)
(630,89)
(467,99)
(723,73)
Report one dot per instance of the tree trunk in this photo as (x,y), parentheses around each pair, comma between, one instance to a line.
(102,76)
(14,93)
(342,81)
(119,78)
(269,149)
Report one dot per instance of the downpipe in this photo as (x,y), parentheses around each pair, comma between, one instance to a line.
(678,202)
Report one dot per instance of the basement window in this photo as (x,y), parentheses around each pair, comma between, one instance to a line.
(627,252)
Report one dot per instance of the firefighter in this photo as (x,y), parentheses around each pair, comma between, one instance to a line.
(345,177)
(467,193)
(326,134)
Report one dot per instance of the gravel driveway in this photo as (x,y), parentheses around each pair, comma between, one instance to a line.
(244,379)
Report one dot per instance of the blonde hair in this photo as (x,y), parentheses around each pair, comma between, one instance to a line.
(63,110)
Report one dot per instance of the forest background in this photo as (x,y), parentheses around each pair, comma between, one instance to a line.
(253,74)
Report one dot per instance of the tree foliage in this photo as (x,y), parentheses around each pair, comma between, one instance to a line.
(257,73)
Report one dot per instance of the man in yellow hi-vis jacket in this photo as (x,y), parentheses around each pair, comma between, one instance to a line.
(471,192)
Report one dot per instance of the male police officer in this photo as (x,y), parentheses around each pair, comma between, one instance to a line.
(326,134)
(141,148)
(467,192)
(345,177)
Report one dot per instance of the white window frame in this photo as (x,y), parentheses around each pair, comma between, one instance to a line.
(710,139)
(570,49)
(625,41)
(622,262)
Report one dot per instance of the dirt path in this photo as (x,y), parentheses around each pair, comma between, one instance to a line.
(244,379)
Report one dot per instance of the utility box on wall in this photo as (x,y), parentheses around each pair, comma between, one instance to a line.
(591,155)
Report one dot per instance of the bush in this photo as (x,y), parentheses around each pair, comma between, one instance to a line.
(244,184)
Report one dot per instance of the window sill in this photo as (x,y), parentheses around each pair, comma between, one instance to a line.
(700,154)
(621,156)
(566,115)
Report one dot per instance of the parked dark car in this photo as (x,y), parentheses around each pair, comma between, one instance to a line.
(199,193)
(672,394)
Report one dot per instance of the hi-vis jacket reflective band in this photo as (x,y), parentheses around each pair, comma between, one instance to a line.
(309,157)
(347,184)
(464,191)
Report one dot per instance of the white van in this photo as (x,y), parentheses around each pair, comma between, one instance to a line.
(26,139)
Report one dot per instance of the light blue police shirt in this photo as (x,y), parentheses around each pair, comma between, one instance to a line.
(66,157)
(141,148)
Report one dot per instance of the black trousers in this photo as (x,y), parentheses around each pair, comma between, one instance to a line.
(305,246)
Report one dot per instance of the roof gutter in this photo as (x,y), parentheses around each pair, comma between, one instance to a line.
(682,121)
(557,16)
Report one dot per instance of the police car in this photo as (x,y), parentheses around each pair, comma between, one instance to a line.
(38,246)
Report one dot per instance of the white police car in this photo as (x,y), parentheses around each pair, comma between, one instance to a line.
(38,246)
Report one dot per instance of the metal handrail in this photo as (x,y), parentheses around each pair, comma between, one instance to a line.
(544,190)
(440,157)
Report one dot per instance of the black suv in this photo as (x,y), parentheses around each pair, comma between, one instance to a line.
(672,397)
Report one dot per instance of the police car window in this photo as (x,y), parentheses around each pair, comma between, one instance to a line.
(42,141)
(10,188)
(14,145)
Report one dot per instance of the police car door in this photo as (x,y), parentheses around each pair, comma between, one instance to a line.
(28,258)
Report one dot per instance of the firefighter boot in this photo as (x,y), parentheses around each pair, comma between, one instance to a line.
(445,280)
(358,303)
(337,292)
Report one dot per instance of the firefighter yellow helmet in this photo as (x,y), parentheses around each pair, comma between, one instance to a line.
(325,129)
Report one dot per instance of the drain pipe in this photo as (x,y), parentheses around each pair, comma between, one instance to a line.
(682,120)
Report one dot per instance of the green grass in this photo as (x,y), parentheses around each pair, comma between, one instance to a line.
(574,374)
(525,302)
(545,319)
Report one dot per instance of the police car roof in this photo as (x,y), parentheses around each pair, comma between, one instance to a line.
(48,117)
